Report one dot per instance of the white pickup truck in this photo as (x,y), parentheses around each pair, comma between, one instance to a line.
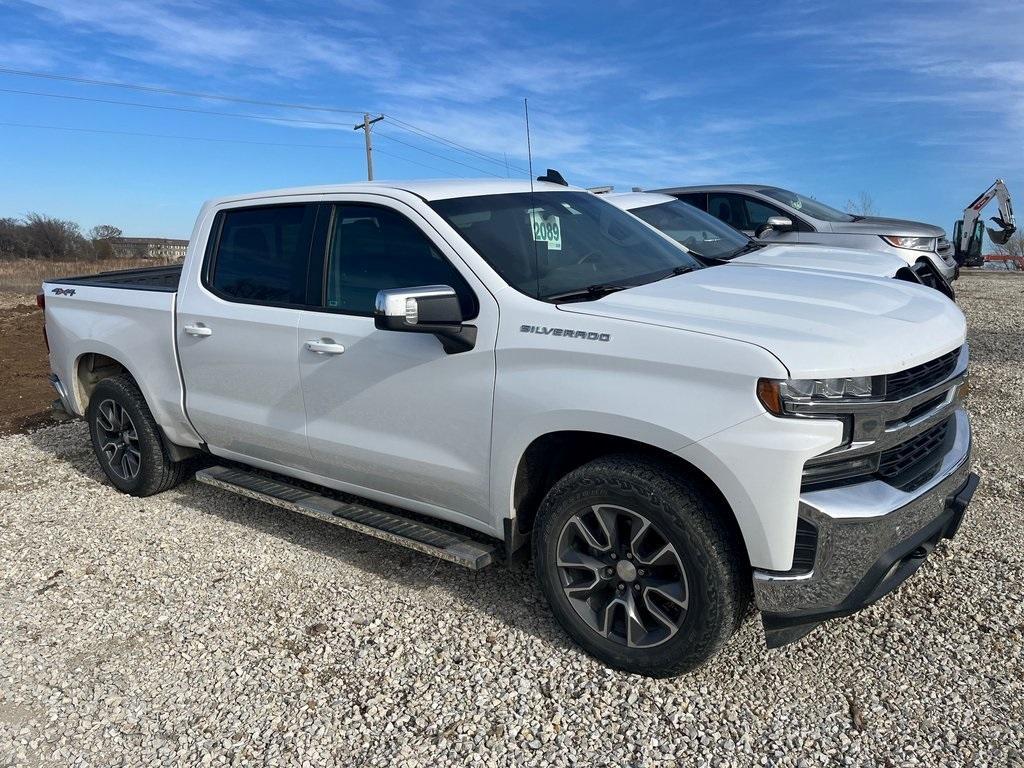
(465,367)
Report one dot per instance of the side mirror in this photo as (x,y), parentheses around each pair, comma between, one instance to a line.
(431,309)
(777,223)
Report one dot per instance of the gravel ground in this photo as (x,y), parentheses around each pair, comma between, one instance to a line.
(200,628)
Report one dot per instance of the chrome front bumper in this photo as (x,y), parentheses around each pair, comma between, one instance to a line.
(870,538)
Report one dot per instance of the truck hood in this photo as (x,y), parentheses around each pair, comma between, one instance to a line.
(876,225)
(851,260)
(815,323)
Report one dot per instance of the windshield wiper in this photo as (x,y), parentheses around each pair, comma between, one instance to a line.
(590,293)
(753,245)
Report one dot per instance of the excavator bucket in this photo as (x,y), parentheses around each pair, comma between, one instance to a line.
(1001,235)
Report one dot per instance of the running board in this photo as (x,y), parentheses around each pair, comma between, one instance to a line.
(388,526)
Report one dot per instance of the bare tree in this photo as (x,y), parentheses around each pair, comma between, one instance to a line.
(12,239)
(864,205)
(52,238)
(101,237)
(1012,247)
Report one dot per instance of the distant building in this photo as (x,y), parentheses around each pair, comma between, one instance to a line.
(148,248)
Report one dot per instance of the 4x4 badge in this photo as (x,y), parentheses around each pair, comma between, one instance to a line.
(63,291)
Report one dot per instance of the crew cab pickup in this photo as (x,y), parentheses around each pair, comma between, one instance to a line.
(471,368)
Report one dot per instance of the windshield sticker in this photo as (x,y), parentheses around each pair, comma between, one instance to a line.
(546,229)
(796,204)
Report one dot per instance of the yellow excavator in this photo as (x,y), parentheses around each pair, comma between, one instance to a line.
(969,231)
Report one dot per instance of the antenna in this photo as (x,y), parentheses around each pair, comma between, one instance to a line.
(533,204)
(529,147)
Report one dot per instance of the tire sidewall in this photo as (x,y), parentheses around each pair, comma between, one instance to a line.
(150,447)
(707,618)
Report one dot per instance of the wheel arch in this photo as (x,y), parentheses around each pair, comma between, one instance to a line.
(552,455)
(92,367)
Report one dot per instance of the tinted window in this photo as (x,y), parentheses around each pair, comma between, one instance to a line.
(700,233)
(758,213)
(729,208)
(547,244)
(373,249)
(696,199)
(263,253)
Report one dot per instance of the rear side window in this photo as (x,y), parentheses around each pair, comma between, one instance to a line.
(374,249)
(262,254)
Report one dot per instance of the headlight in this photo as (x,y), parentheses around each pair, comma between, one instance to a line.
(778,395)
(916,243)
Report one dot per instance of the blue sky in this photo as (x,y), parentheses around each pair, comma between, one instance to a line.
(918,104)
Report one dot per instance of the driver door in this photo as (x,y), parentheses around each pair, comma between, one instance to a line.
(391,415)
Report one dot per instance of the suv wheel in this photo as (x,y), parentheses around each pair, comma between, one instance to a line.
(639,566)
(127,441)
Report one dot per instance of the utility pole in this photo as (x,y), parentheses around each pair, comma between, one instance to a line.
(365,127)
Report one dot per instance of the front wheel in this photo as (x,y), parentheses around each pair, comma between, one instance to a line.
(639,566)
(127,441)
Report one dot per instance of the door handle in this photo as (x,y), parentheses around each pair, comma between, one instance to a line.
(198,330)
(324,347)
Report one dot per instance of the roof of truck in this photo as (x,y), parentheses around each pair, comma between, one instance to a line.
(428,189)
(629,201)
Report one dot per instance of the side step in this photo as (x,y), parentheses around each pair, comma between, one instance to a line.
(388,526)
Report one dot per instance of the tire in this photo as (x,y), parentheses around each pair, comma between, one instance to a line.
(127,441)
(703,568)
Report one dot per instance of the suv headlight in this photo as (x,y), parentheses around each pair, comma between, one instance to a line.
(779,396)
(915,243)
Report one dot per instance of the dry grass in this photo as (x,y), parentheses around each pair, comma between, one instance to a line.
(25,276)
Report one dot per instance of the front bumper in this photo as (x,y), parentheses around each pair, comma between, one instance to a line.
(870,538)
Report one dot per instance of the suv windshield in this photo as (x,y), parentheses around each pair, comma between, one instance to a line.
(552,244)
(700,232)
(811,207)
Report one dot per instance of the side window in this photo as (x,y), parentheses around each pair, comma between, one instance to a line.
(758,212)
(729,208)
(372,249)
(696,199)
(262,254)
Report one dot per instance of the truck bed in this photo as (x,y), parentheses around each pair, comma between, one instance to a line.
(145,279)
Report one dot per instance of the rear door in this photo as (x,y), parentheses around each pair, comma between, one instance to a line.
(392,413)
(237,333)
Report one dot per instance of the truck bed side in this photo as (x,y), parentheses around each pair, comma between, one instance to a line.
(164,278)
(127,318)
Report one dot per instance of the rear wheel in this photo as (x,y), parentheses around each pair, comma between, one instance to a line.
(639,566)
(127,441)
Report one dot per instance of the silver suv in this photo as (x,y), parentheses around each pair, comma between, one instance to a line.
(758,210)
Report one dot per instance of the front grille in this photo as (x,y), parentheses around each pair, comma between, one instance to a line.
(909,460)
(920,377)
(901,466)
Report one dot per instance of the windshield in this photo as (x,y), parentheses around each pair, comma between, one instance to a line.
(805,204)
(548,244)
(698,231)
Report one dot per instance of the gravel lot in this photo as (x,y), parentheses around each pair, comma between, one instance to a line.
(200,628)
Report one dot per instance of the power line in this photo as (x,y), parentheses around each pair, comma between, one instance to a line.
(242,115)
(76,129)
(174,92)
(434,154)
(401,124)
(449,142)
